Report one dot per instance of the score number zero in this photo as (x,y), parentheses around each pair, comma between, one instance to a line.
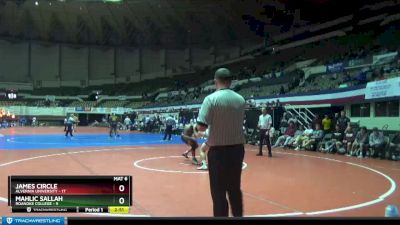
(121,188)
(121,200)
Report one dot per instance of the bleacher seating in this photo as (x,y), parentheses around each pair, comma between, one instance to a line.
(137,104)
(112,103)
(12,103)
(259,67)
(83,104)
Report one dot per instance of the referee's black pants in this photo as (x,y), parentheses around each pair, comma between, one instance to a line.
(168,132)
(69,130)
(264,136)
(225,171)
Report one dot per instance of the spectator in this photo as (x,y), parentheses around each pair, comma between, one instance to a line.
(127,122)
(34,121)
(316,136)
(326,124)
(361,78)
(381,76)
(295,83)
(284,122)
(335,119)
(316,121)
(302,139)
(23,121)
(282,90)
(5,124)
(347,77)
(334,76)
(360,143)
(289,141)
(377,143)
(294,119)
(335,143)
(273,75)
(147,123)
(93,124)
(343,121)
(348,139)
(289,133)
(394,147)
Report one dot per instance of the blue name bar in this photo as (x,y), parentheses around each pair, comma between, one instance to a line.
(32,220)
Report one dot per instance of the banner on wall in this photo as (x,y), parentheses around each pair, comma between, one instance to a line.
(335,68)
(358,62)
(99,110)
(384,58)
(70,109)
(383,88)
(83,109)
(118,110)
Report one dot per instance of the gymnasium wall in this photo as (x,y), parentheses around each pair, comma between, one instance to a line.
(201,57)
(101,63)
(392,123)
(176,60)
(13,61)
(128,66)
(74,63)
(54,65)
(44,62)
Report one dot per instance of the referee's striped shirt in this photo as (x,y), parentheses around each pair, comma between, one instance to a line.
(223,113)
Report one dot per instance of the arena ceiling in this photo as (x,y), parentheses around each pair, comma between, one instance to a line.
(161,22)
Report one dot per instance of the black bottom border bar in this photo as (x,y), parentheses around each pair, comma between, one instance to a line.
(214,220)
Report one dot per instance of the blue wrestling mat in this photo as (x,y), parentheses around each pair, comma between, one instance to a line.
(44,141)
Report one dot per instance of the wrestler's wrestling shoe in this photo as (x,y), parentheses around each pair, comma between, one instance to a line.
(203,167)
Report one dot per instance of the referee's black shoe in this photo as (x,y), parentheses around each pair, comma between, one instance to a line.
(259,154)
(269,154)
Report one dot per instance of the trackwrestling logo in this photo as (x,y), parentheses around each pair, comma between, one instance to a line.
(33,220)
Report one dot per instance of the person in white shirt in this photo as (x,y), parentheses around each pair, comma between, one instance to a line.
(65,124)
(70,123)
(264,125)
(34,121)
(127,122)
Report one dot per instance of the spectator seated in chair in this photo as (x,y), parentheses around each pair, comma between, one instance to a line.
(335,143)
(290,140)
(289,132)
(300,140)
(315,138)
(377,144)
(394,147)
(348,139)
(321,145)
(358,148)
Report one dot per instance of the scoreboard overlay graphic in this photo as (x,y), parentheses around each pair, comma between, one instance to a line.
(80,194)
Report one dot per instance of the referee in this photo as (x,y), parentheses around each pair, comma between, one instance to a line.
(264,124)
(222,113)
(169,124)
